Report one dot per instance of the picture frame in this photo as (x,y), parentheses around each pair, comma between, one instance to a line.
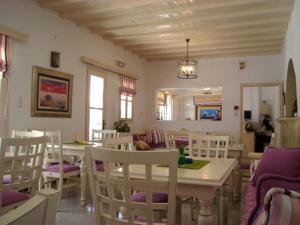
(51,94)
(209,112)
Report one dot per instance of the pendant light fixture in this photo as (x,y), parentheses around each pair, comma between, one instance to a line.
(187,68)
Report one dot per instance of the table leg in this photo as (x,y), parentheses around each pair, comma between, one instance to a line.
(83,180)
(236,184)
(222,211)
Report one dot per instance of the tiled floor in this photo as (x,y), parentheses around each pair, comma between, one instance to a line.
(71,213)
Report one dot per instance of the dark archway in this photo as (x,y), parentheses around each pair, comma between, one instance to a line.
(291,91)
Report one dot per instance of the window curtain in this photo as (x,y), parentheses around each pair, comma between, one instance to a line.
(4,71)
(128,85)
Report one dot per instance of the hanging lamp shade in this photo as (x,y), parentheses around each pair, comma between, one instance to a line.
(187,68)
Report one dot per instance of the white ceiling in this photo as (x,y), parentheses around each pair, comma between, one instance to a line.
(157,29)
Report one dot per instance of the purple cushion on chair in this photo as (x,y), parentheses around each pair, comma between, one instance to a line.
(156,197)
(6,179)
(67,168)
(245,166)
(99,167)
(12,196)
(283,162)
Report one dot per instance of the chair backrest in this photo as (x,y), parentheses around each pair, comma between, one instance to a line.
(170,139)
(209,146)
(105,183)
(26,134)
(119,143)
(54,150)
(22,164)
(39,210)
(100,135)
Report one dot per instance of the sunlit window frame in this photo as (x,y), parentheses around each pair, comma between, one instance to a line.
(126,105)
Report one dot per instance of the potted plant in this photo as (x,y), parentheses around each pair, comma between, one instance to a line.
(121,126)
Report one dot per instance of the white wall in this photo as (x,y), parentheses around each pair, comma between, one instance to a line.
(291,48)
(211,73)
(48,32)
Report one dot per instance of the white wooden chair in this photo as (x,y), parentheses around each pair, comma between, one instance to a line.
(54,168)
(119,143)
(209,146)
(104,183)
(39,210)
(170,139)
(100,135)
(21,161)
(26,134)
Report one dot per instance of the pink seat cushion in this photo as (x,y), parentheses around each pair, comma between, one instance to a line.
(67,168)
(12,196)
(156,197)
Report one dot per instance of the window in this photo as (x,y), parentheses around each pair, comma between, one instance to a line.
(125,106)
(165,108)
(127,91)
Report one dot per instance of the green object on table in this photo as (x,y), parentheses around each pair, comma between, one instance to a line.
(79,143)
(195,165)
(181,157)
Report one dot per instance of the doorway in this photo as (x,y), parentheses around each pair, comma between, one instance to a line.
(95,102)
(261,106)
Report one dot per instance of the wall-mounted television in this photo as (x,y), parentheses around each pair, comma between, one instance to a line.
(247,115)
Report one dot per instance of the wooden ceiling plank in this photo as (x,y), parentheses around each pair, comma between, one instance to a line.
(203,16)
(157,46)
(208,28)
(205,35)
(209,47)
(213,49)
(176,9)
(223,55)
(57,3)
(237,21)
(195,55)
(174,41)
(111,5)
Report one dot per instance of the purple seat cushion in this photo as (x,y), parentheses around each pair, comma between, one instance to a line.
(245,166)
(67,168)
(12,196)
(283,162)
(6,179)
(100,167)
(156,197)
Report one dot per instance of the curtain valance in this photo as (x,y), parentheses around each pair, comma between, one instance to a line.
(128,85)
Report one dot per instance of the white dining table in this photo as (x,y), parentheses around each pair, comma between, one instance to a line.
(200,183)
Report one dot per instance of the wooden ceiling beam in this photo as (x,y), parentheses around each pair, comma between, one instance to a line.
(195,49)
(212,46)
(57,3)
(224,55)
(215,41)
(206,53)
(202,35)
(206,15)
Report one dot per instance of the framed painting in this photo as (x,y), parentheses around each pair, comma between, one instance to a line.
(209,112)
(51,94)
